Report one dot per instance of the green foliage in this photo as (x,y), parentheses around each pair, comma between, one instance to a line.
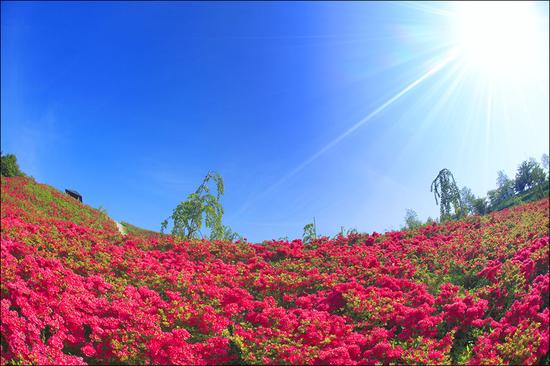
(544,160)
(538,176)
(530,183)
(467,198)
(132,229)
(537,192)
(463,345)
(503,181)
(46,201)
(528,175)
(163,226)
(9,166)
(343,232)
(352,231)
(202,208)
(444,187)
(505,190)
(102,216)
(533,194)
(310,232)
(411,220)
(430,221)
(229,234)
(473,205)
(480,206)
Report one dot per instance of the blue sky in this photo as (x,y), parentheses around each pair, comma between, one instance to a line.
(342,111)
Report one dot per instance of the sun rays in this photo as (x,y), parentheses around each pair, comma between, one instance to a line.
(486,56)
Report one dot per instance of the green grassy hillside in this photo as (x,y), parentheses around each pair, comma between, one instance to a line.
(132,229)
(34,201)
(530,195)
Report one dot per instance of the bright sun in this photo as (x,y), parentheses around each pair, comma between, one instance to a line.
(498,38)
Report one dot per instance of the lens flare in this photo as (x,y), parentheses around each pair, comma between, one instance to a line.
(498,38)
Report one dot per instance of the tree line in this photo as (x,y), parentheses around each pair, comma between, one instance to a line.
(530,183)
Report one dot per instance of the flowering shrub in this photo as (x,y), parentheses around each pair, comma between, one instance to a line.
(76,291)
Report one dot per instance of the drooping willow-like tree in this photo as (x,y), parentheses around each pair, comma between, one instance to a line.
(201,207)
(445,189)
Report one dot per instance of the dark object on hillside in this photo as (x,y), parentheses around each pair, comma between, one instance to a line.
(74,194)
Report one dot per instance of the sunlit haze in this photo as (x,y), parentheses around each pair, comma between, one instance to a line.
(503,39)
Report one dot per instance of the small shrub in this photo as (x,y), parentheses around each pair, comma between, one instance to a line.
(10,168)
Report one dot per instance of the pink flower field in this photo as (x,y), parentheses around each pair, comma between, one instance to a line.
(76,291)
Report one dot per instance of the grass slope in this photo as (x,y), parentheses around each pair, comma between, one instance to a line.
(530,195)
(135,230)
(27,198)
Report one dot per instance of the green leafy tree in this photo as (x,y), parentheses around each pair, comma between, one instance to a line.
(527,174)
(467,198)
(538,176)
(480,206)
(229,234)
(351,231)
(9,166)
(430,221)
(310,232)
(493,197)
(504,191)
(502,179)
(505,186)
(544,161)
(202,208)
(411,219)
(445,189)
